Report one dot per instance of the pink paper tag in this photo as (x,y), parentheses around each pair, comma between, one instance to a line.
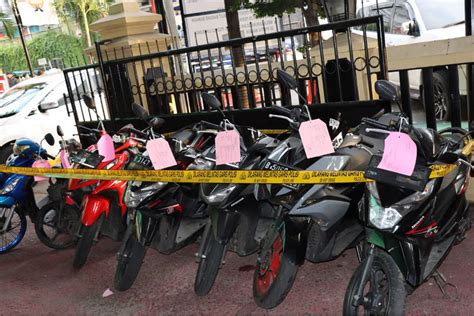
(160,153)
(106,147)
(41,164)
(399,154)
(315,138)
(63,156)
(227,147)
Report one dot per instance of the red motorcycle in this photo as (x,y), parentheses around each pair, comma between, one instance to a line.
(103,209)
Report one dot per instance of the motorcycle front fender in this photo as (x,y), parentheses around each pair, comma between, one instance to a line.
(224,223)
(93,207)
(405,254)
(7,201)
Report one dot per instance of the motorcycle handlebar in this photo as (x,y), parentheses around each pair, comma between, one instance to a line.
(281,110)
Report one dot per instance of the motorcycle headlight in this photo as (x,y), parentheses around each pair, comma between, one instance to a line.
(9,186)
(387,217)
(137,192)
(219,196)
(110,164)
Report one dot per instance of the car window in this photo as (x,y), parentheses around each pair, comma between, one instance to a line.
(17,98)
(385,10)
(401,19)
(441,13)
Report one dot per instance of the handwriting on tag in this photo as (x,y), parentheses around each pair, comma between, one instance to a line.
(315,138)
(160,153)
(64,157)
(106,148)
(227,147)
(41,164)
(399,154)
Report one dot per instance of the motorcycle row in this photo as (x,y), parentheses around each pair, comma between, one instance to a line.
(401,226)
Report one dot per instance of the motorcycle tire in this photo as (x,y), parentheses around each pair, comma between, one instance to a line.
(274,276)
(85,243)
(129,262)
(209,265)
(387,278)
(22,224)
(44,217)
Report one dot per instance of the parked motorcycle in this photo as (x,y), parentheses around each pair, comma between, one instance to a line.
(237,221)
(165,216)
(103,209)
(411,222)
(17,199)
(57,221)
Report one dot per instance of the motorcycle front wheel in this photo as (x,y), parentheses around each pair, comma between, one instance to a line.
(85,242)
(12,228)
(209,265)
(129,262)
(384,291)
(274,276)
(55,227)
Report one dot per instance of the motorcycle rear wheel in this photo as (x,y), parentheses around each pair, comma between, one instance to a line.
(209,265)
(385,284)
(16,229)
(275,275)
(50,232)
(85,242)
(129,262)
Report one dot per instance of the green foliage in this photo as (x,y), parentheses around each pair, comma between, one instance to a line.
(7,24)
(263,8)
(49,45)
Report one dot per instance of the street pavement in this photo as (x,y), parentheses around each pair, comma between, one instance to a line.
(36,280)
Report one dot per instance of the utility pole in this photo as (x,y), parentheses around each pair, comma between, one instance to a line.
(16,13)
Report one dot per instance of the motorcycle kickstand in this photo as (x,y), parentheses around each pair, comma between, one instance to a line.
(442,283)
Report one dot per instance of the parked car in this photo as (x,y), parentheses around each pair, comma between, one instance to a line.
(34,108)
(414,21)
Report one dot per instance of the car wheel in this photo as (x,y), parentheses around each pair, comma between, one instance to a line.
(441,98)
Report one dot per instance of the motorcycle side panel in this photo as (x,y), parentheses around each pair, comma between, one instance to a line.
(326,212)
(94,206)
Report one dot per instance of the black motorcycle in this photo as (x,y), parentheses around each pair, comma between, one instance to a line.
(411,222)
(164,216)
(237,221)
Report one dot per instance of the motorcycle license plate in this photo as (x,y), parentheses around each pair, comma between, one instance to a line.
(276,166)
(87,159)
(417,181)
(140,162)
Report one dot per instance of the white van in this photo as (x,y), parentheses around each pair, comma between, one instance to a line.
(414,21)
(35,107)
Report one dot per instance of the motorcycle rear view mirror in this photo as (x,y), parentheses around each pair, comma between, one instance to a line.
(156,122)
(448,157)
(90,103)
(49,139)
(140,112)
(212,101)
(59,131)
(386,90)
(286,80)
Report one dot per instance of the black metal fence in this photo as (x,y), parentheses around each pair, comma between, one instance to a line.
(240,72)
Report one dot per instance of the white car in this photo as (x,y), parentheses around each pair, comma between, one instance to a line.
(35,107)
(414,21)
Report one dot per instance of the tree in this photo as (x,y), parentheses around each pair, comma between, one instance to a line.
(84,11)
(233,28)
(312,9)
(7,24)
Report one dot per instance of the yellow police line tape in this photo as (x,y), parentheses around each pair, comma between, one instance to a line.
(263,131)
(210,176)
(218,176)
